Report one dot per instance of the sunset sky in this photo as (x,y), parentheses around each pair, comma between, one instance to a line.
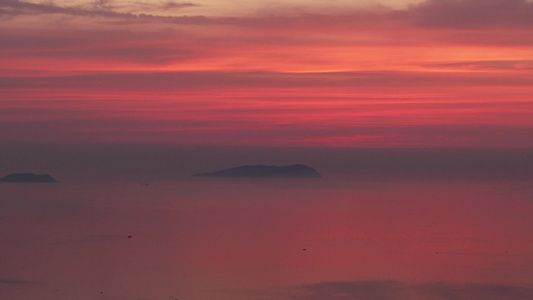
(418,114)
(369,73)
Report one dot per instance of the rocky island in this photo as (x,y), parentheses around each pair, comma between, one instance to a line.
(261,171)
(27,177)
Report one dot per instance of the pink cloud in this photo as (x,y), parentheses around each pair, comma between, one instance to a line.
(260,108)
(244,68)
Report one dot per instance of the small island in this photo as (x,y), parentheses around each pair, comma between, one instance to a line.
(261,171)
(27,177)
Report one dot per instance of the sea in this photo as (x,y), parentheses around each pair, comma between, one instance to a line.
(338,237)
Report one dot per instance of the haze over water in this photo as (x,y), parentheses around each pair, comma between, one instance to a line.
(337,237)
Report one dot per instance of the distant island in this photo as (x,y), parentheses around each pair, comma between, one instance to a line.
(261,171)
(27,177)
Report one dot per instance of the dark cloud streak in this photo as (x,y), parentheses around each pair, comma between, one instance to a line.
(174,5)
(213,79)
(101,9)
(472,14)
(486,65)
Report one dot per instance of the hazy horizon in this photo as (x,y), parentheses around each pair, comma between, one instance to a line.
(178,161)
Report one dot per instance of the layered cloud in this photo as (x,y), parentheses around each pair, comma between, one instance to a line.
(309,109)
(465,14)
(104,36)
(462,52)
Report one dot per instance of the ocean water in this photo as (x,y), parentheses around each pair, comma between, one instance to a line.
(336,237)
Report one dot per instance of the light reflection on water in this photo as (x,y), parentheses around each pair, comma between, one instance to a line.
(204,238)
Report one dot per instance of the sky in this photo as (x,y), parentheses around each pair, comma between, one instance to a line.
(287,73)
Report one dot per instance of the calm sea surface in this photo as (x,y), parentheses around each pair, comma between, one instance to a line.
(213,239)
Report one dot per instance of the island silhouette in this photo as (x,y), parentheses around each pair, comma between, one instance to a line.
(262,171)
(27,177)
